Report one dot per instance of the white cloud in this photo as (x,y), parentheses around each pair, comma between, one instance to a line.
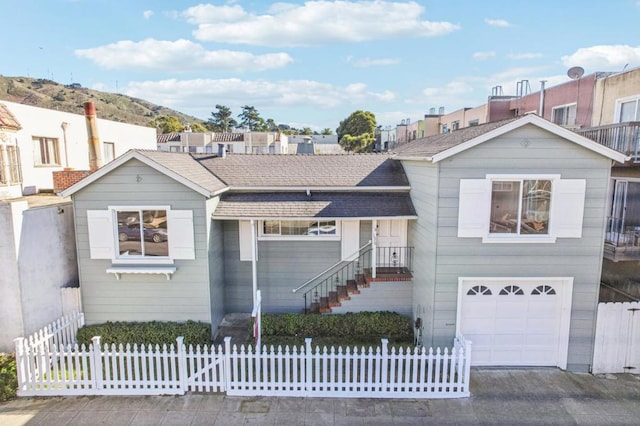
(196,94)
(370,62)
(603,57)
(497,23)
(178,56)
(518,56)
(481,56)
(314,23)
(147,14)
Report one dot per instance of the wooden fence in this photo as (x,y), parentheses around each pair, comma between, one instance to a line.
(382,372)
(617,342)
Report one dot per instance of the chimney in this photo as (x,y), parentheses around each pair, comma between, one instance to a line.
(441,110)
(95,149)
(222,152)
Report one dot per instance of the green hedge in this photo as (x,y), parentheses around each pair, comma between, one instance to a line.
(153,332)
(8,377)
(361,326)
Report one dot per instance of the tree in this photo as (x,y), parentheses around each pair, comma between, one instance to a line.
(167,124)
(326,131)
(306,131)
(198,127)
(221,121)
(357,132)
(271,125)
(250,119)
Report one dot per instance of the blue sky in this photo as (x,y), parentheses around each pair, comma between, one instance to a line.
(311,64)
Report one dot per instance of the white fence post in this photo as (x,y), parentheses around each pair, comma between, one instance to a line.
(21,363)
(96,363)
(227,363)
(182,364)
(308,366)
(384,365)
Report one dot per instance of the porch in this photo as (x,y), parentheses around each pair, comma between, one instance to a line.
(622,137)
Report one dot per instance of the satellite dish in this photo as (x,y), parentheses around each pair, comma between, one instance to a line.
(575,73)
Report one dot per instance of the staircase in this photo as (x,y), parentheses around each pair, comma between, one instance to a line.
(342,292)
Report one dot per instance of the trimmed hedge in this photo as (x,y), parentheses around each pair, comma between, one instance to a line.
(361,326)
(153,332)
(8,377)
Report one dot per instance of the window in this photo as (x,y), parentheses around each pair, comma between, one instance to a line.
(455,125)
(628,110)
(45,152)
(564,115)
(474,122)
(299,229)
(109,149)
(521,208)
(141,235)
(9,165)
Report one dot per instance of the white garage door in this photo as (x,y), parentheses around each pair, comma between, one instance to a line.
(516,322)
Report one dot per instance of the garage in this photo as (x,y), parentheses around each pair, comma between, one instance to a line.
(516,321)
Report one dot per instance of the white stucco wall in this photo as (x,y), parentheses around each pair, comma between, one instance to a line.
(41,122)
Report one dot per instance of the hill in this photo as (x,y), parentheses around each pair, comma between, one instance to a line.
(70,98)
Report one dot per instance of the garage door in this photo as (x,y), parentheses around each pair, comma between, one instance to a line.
(516,322)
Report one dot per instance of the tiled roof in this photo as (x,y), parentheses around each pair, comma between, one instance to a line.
(432,145)
(255,171)
(320,204)
(7,119)
(168,137)
(184,165)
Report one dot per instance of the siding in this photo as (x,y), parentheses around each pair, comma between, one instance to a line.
(380,296)
(282,266)
(142,297)
(216,266)
(455,257)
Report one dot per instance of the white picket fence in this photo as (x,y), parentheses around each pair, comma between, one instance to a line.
(617,341)
(67,369)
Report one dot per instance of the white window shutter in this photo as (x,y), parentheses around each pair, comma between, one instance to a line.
(474,208)
(567,208)
(244,239)
(181,235)
(101,234)
(350,239)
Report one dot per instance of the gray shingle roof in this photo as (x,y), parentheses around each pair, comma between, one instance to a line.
(184,165)
(255,171)
(432,145)
(321,204)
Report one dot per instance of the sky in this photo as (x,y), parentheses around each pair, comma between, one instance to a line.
(313,63)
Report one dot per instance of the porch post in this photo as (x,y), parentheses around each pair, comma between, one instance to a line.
(374,245)
(254,263)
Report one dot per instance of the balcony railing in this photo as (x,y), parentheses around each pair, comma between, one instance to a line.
(623,137)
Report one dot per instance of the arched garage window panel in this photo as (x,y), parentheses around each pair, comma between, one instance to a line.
(479,290)
(511,290)
(543,289)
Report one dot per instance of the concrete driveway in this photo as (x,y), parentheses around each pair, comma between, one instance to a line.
(499,396)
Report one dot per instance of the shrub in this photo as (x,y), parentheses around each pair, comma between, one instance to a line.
(153,332)
(8,377)
(358,327)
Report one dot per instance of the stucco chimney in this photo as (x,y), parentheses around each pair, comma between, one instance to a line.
(95,149)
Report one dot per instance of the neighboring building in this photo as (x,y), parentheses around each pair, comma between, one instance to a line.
(314,144)
(35,142)
(494,231)
(235,142)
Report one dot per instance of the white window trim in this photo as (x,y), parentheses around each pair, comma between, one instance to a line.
(267,237)
(565,106)
(519,238)
(620,101)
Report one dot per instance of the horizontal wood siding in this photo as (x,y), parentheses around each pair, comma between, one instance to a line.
(142,297)
(393,296)
(525,150)
(282,266)
(422,235)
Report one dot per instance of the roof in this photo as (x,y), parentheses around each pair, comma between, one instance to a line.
(227,137)
(168,137)
(318,204)
(179,166)
(7,119)
(309,171)
(438,147)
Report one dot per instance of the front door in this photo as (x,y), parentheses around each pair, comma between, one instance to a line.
(391,240)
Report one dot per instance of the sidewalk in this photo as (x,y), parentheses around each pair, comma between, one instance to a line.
(499,396)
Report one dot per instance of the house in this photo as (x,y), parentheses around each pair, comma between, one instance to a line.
(494,231)
(36,142)
(239,142)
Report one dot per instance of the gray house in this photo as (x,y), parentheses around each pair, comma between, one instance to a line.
(495,232)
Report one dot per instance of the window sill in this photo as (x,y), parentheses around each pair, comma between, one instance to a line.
(546,239)
(142,269)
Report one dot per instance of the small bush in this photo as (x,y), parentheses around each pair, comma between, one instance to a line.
(8,377)
(153,332)
(352,327)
